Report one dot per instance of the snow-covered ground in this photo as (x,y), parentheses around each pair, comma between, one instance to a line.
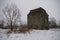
(3,35)
(52,34)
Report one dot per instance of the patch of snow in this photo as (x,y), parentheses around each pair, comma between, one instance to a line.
(3,35)
(52,34)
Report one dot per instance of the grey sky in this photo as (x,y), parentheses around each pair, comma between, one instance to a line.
(51,6)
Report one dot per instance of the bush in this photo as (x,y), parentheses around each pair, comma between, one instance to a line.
(23,29)
(8,32)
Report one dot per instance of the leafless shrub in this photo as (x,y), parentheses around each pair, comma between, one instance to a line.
(8,32)
(24,30)
(2,24)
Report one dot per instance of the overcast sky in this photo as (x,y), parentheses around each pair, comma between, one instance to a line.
(51,6)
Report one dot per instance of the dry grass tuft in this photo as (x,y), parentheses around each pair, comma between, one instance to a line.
(24,30)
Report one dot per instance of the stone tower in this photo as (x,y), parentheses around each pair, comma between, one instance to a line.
(37,19)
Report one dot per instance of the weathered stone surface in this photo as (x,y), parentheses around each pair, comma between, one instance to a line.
(37,18)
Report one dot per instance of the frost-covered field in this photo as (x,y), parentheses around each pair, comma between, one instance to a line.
(52,34)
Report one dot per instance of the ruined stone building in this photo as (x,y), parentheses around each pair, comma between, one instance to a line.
(37,18)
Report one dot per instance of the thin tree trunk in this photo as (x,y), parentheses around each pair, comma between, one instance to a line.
(11,26)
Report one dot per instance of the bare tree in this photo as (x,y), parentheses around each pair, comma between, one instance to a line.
(12,14)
